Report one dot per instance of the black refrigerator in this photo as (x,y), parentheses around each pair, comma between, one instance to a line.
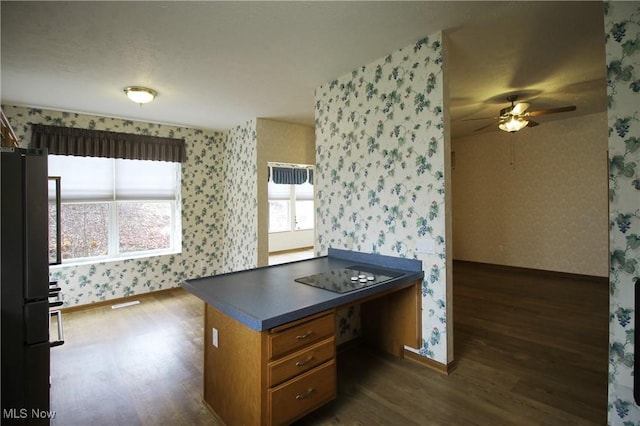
(25,287)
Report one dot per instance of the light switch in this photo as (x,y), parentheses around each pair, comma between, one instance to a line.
(214,336)
(426,245)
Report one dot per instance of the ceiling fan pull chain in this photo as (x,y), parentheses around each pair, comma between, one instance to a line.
(511,151)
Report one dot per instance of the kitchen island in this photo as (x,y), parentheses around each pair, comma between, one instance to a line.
(270,340)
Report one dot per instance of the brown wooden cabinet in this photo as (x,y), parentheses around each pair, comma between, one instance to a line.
(301,369)
(276,376)
(268,377)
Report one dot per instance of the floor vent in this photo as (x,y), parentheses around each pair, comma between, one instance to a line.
(124,305)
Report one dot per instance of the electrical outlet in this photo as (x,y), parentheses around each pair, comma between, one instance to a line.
(214,336)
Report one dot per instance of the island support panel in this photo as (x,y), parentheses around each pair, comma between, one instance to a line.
(393,320)
(233,380)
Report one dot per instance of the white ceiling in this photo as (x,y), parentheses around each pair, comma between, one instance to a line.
(216,65)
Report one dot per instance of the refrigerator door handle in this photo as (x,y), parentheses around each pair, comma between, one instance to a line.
(60,340)
(58,219)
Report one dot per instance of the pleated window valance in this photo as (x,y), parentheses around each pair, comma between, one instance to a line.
(290,176)
(98,143)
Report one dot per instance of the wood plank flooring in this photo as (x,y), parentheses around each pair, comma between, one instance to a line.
(290,256)
(139,365)
(531,349)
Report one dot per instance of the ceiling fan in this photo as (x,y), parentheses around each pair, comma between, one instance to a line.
(516,116)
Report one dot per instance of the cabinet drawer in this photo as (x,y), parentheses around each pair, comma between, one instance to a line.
(299,362)
(297,397)
(304,334)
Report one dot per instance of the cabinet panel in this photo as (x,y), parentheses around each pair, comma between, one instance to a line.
(301,361)
(391,322)
(301,335)
(301,395)
(233,386)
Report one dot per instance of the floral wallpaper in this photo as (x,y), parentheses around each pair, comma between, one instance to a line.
(622,31)
(202,194)
(380,171)
(241,199)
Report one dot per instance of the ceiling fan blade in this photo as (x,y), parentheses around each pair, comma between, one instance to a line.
(479,118)
(520,108)
(551,111)
(532,123)
(484,127)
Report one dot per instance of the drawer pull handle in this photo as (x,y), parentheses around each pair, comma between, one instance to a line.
(305,335)
(306,361)
(305,395)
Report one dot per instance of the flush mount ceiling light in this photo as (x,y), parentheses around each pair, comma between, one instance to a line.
(140,95)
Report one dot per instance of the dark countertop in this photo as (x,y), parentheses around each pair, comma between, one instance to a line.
(263,298)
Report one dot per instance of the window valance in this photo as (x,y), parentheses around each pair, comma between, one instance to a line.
(99,143)
(290,176)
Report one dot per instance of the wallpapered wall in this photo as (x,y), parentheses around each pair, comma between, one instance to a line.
(380,170)
(622,26)
(203,216)
(240,200)
(542,205)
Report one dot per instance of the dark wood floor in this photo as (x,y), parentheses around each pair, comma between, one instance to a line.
(531,349)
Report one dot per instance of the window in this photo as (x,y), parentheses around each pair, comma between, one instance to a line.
(290,207)
(115,208)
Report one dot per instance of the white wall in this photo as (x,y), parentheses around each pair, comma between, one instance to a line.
(282,241)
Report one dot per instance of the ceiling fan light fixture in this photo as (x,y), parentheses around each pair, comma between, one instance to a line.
(513,124)
(140,95)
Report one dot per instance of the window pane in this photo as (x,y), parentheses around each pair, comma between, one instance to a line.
(145,180)
(304,191)
(85,230)
(53,242)
(144,226)
(304,214)
(279,191)
(279,216)
(83,178)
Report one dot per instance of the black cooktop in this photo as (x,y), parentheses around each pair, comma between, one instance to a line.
(348,279)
